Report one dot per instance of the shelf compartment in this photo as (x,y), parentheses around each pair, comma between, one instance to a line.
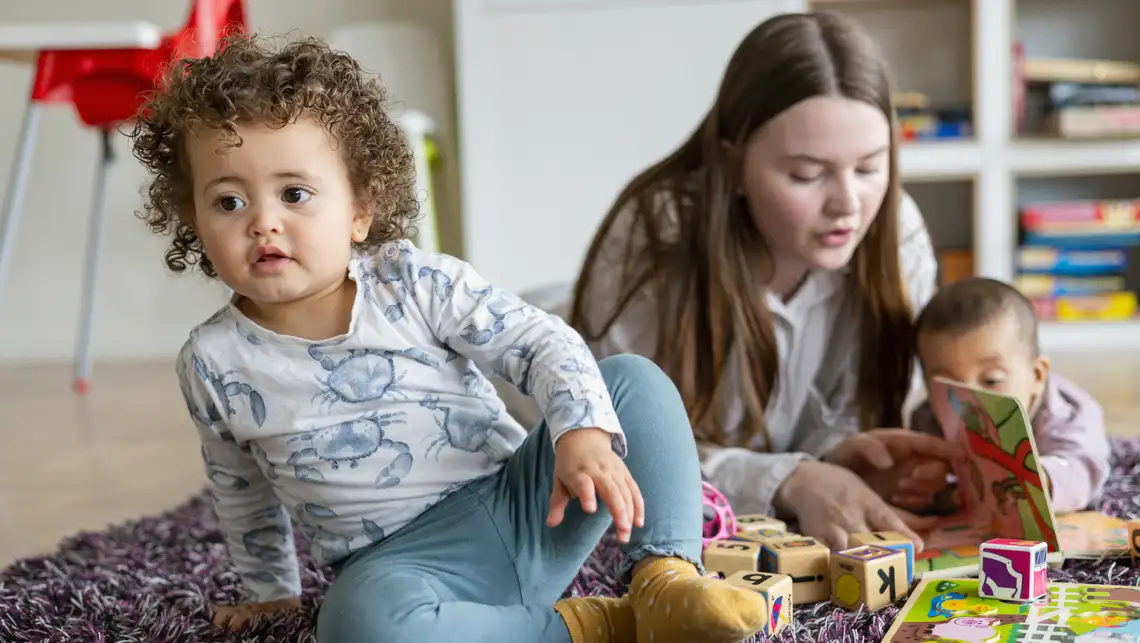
(1086,48)
(1083,235)
(903,30)
(948,208)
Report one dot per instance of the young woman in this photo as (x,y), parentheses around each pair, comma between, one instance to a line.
(772,267)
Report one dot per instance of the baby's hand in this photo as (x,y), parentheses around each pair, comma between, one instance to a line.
(913,486)
(904,467)
(238,617)
(832,502)
(585,463)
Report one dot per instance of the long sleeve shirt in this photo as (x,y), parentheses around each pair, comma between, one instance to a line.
(814,407)
(1071,438)
(354,436)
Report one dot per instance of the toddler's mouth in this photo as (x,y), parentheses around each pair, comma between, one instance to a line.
(270,260)
(268,253)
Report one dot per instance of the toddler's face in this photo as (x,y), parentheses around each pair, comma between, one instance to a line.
(993,357)
(276,215)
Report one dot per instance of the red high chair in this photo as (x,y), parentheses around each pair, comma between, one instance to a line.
(106,87)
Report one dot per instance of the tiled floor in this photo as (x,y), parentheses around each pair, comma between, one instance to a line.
(127,448)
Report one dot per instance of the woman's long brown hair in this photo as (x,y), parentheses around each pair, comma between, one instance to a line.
(698,249)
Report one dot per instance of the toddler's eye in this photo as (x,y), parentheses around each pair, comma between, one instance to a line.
(230,203)
(295,195)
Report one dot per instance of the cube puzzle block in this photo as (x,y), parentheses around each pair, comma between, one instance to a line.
(752,522)
(805,560)
(890,540)
(764,535)
(731,556)
(868,575)
(1013,570)
(1133,527)
(777,592)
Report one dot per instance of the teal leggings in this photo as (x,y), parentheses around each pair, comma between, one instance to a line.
(482,565)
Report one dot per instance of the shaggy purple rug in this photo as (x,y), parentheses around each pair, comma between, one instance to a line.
(154,579)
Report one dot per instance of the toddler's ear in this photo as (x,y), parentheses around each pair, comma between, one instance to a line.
(361,223)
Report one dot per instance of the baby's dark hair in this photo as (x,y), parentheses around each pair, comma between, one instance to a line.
(970,303)
(247,81)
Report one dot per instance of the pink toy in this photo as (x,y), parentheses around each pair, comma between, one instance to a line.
(1013,570)
(720,522)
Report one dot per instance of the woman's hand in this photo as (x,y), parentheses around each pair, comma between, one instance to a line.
(832,502)
(904,467)
(584,465)
(238,617)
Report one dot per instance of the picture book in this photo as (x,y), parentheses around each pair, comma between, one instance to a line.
(1093,535)
(951,610)
(964,560)
(999,486)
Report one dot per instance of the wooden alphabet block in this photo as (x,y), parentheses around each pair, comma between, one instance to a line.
(1013,570)
(868,575)
(731,556)
(777,592)
(1133,527)
(764,535)
(752,522)
(805,560)
(890,540)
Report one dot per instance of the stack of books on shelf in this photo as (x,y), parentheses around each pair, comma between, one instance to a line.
(920,120)
(1078,258)
(1076,98)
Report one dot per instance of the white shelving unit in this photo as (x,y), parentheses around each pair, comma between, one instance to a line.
(546,140)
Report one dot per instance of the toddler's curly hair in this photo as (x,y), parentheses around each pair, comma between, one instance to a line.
(247,81)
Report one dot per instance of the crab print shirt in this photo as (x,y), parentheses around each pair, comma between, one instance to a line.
(354,436)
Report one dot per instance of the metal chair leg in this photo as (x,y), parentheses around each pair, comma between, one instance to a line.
(17,183)
(91,268)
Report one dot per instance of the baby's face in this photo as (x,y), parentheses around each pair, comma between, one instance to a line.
(276,216)
(994,357)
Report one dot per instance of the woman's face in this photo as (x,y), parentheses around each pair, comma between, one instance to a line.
(814,177)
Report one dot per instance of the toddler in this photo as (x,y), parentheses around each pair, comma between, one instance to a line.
(983,333)
(344,387)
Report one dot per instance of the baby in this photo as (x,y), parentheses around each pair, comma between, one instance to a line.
(344,387)
(983,333)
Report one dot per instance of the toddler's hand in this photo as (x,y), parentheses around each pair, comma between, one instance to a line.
(585,463)
(831,502)
(238,617)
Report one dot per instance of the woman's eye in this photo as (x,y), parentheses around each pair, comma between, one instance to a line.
(800,178)
(295,195)
(230,203)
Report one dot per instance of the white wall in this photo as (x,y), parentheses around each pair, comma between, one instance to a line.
(561,102)
(154,310)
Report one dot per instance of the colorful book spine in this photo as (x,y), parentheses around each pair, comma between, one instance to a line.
(1070,262)
(1057,286)
(1104,217)
(1116,306)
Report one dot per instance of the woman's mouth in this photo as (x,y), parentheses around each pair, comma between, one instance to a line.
(836,238)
